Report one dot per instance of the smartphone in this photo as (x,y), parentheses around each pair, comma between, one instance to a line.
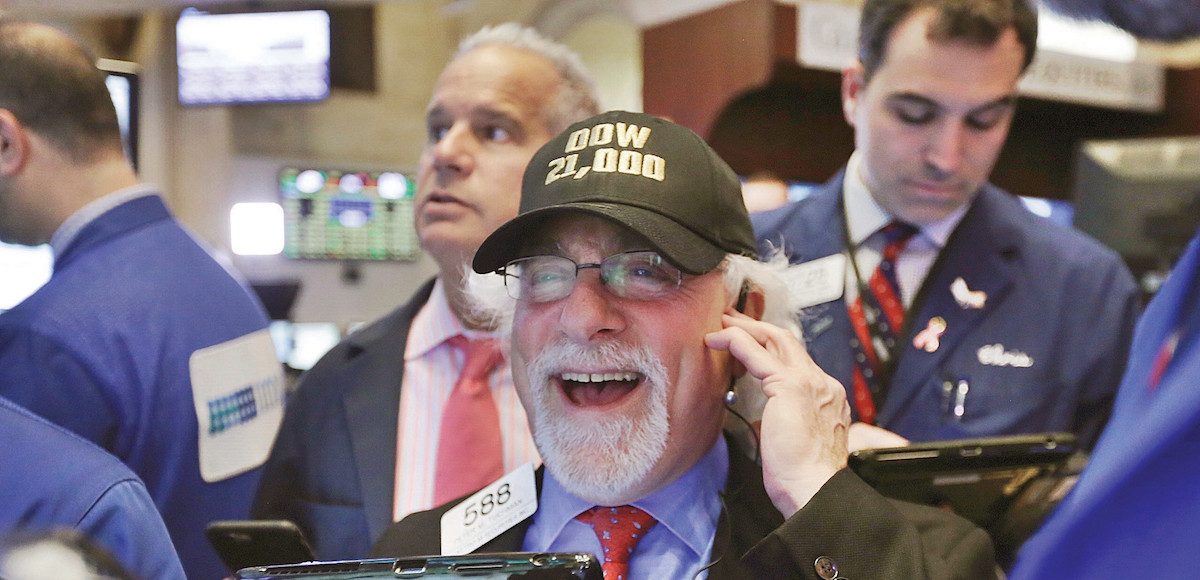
(245,543)
(506,565)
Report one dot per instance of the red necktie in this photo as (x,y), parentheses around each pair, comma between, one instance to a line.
(470,450)
(619,530)
(886,313)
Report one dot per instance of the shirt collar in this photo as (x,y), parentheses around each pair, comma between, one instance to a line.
(864,215)
(434,324)
(69,230)
(689,507)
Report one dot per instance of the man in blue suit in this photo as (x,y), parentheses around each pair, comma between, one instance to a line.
(54,480)
(1136,500)
(140,342)
(977,318)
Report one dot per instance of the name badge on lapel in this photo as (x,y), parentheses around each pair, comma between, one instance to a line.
(490,512)
(818,281)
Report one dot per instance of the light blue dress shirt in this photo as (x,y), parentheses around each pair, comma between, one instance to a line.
(679,546)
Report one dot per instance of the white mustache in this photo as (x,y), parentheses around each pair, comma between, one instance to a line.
(559,358)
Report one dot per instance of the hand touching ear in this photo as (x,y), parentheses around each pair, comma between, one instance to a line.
(806,418)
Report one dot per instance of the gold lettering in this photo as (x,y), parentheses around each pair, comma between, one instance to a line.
(602,134)
(627,134)
(578,140)
(654,167)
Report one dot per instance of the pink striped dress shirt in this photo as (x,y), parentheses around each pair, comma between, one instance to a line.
(431,368)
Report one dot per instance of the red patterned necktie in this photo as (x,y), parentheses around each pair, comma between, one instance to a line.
(884,310)
(470,449)
(619,530)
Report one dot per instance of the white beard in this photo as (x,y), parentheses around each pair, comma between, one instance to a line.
(599,458)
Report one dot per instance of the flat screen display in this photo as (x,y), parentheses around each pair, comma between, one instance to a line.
(347,215)
(122,80)
(258,57)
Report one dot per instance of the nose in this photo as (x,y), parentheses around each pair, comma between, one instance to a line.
(588,312)
(944,151)
(454,153)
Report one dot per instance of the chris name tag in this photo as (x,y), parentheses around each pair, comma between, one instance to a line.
(818,281)
(490,512)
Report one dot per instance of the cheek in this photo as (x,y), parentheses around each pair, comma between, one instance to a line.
(424,174)
(986,148)
(531,329)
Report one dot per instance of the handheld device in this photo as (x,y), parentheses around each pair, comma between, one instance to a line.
(977,478)
(244,543)
(522,565)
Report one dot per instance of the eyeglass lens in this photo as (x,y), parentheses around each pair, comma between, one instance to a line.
(639,275)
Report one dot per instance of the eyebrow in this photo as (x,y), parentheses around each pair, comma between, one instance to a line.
(1005,101)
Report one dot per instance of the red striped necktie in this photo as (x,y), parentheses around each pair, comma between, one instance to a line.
(881,309)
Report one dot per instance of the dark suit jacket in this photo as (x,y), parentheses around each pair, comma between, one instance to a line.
(1053,295)
(332,469)
(866,535)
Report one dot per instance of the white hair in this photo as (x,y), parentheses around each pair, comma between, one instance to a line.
(576,99)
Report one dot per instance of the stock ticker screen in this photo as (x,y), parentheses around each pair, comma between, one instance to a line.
(347,215)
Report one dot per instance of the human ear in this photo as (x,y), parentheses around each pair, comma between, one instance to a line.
(754,303)
(853,82)
(14,143)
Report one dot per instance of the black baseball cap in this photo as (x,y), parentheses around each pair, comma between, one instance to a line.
(652,176)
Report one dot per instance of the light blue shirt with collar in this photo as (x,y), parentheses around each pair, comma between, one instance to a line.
(66,233)
(679,546)
(864,217)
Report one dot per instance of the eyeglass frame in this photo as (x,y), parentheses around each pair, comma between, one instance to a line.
(514,293)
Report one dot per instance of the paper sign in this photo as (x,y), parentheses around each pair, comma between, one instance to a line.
(237,387)
(490,512)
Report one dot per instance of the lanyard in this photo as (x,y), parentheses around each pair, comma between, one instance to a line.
(881,341)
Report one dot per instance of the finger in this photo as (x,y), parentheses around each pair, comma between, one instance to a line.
(773,337)
(759,362)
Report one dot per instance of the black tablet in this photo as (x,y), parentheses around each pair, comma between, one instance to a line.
(977,478)
(519,565)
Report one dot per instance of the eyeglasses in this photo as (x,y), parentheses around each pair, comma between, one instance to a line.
(635,275)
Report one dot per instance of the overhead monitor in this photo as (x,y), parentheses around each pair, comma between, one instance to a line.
(1141,197)
(338,214)
(252,57)
(122,80)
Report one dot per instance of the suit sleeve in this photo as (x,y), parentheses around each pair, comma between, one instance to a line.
(125,522)
(868,536)
(46,376)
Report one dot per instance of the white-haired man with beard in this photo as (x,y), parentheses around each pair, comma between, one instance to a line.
(624,374)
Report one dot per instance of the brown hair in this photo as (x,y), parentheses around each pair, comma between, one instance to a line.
(51,85)
(977,22)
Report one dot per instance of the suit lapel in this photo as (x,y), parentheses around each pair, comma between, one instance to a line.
(747,516)
(982,251)
(372,406)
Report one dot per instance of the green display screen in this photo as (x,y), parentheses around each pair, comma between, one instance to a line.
(347,215)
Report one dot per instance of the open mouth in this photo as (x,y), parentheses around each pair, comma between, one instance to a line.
(598,389)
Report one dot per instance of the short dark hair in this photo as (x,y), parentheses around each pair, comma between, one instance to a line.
(51,85)
(974,21)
